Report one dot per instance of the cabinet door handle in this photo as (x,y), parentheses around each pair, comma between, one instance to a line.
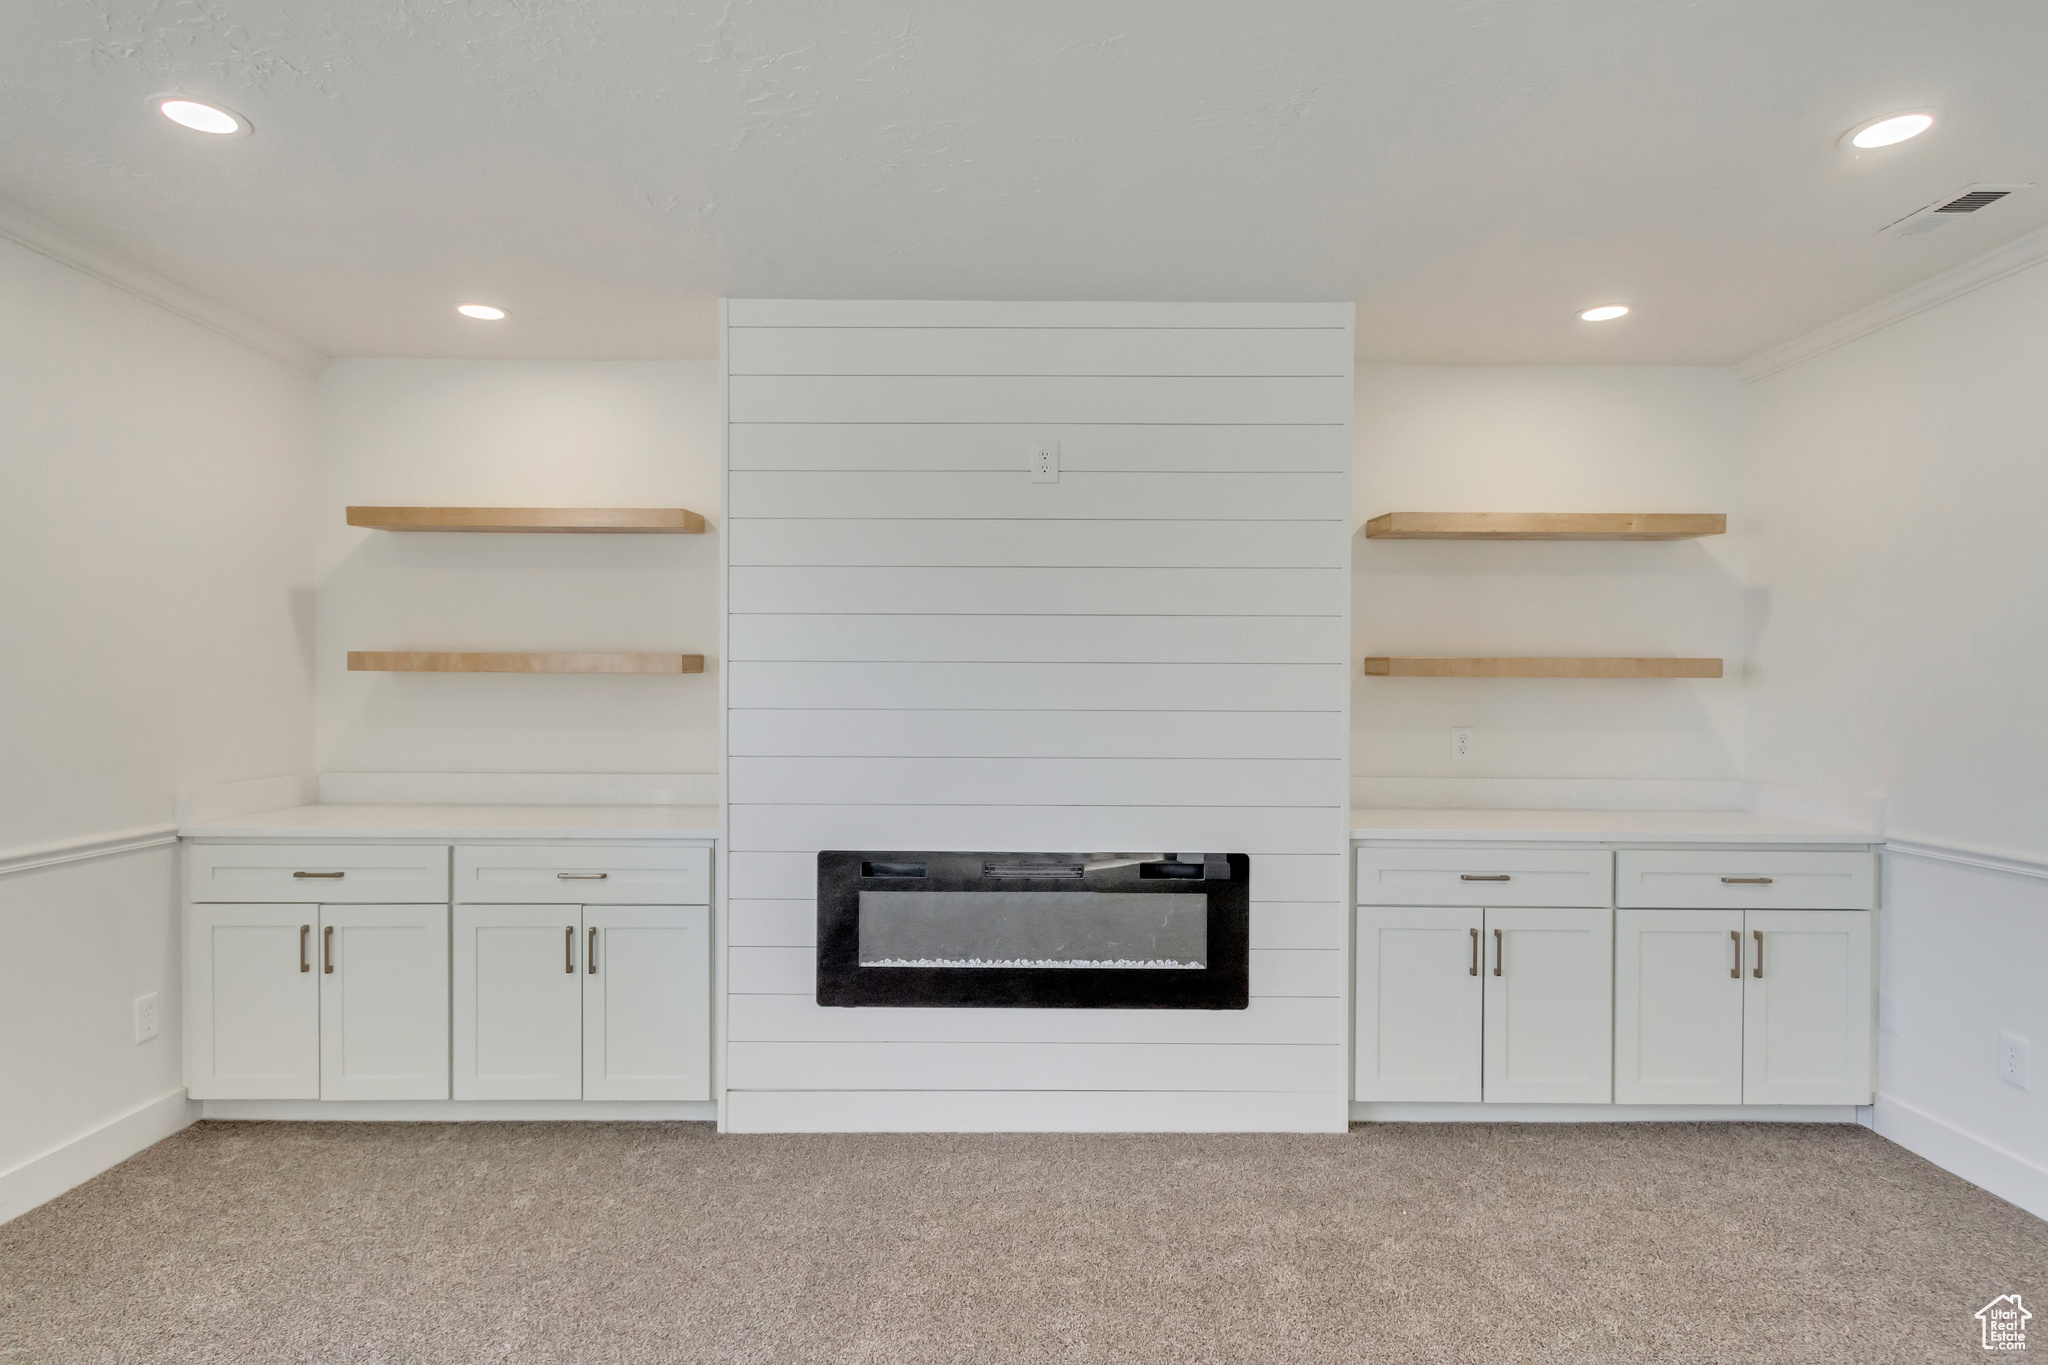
(581,876)
(1735,937)
(1496,952)
(1759,953)
(327,950)
(1475,952)
(305,931)
(590,956)
(1745,881)
(569,948)
(317,876)
(1489,877)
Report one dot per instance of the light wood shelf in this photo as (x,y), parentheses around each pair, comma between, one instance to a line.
(671,521)
(1546,525)
(1382,666)
(432,661)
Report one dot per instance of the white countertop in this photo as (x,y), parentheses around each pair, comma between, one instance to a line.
(467,822)
(1600,826)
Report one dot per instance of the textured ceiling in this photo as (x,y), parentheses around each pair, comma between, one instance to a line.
(1470,174)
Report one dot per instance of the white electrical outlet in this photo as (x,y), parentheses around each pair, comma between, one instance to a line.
(145,1017)
(1461,744)
(2012,1059)
(1045,463)
(1888,1013)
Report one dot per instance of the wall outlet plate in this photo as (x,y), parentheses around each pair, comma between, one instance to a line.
(1461,744)
(2012,1059)
(1887,1013)
(146,1026)
(1045,462)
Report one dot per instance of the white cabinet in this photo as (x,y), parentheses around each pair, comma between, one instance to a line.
(1778,879)
(1419,999)
(1742,1007)
(588,874)
(384,1002)
(252,1002)
(1549,1024)
(598,1002)
(1485,876)
(1806,1007)
(1678,1006)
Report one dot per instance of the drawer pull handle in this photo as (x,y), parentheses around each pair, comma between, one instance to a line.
(581,876)
(1745,881)
(569,949)
(1488,877)
(1759,954)
(1475,952)
(1735,937)
(305,930)
(327,950)
(591,955)
(1496,952)
(336,876)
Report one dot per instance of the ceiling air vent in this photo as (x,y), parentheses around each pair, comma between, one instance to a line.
(1949,208)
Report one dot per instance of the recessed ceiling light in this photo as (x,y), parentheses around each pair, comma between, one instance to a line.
(1892,128)
(482,312)
(1605,313)
(201,118)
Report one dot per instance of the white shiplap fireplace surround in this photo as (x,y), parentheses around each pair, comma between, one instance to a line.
(927,649)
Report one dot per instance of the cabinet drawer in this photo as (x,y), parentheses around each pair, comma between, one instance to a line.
(333,874)
(1669,878)
(1485,876)
(582,874)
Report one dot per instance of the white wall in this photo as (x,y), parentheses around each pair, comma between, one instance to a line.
(931,651)
(157,628)
(1895,488)
(517,433)
(1545,439)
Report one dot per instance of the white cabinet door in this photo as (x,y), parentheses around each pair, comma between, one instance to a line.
(252,1002)
(384,1002)
(518,994)
(1418,1003)
(647,1002)
(1678,1006)
(1806,1007)
(1549,978)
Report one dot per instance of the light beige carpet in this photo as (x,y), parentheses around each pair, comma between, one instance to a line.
(582,1243)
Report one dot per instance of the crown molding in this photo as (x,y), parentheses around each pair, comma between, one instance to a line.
(47,239)
(2009,259)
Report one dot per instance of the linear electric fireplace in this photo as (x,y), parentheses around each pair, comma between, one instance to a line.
(1044,930)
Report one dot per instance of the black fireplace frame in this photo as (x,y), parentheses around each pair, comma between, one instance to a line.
(1223,984)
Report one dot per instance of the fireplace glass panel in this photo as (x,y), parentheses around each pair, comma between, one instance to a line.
(1054,929)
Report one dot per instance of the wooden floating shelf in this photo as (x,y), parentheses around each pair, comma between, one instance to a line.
(1546,525)
(1386,667)
(428,661)
(671,521)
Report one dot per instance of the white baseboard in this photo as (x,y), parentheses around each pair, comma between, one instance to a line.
(2008,1175)
(69,1165)
(1368,1111)
(461,1111)
(1032,1111)
(1547,793)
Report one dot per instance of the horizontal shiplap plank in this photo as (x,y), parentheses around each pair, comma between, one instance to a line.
(1216,399)
(793,971)
(1181,781)
(1004,313)
(1037,351)
(1319,877)
(1037,592)
(967,638)
(1010,495)
(965,447)
(1029,1066)
(1283,925)
(885,541)
(1034,734)
(797,1018)
(1047,687)
(1036,1111)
